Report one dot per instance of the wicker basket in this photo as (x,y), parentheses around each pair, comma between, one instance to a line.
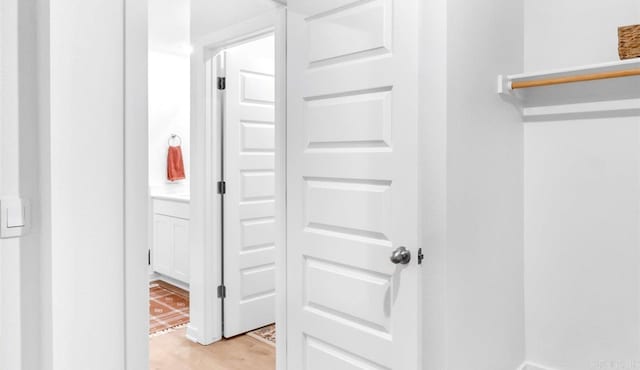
(629,42)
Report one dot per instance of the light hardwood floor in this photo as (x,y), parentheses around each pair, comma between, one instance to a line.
(172,351)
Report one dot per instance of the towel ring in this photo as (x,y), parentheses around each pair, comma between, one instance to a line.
(174,137)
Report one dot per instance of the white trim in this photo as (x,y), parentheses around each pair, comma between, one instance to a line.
(281,187)
(203,327)
(206,312)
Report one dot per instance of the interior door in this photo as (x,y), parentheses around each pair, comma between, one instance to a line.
(249,229)
(352,185)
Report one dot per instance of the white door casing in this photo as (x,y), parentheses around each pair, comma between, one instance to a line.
(352,185)
(249,173)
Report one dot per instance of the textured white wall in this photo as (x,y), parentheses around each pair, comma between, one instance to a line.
(581,203)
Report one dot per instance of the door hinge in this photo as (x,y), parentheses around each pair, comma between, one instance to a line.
(149,257)
(222,291)
(222,187)
(222,83)
(420,256)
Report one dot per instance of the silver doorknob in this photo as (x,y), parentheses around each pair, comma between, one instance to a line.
(401,256)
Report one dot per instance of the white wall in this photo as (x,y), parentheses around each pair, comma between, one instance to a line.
(485,185)
(169,113)
(581,203)
(10,333)
(169,25)
(472,182)
(169,89)
(81,76)
(19,258)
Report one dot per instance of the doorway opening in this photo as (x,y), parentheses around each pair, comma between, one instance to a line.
(352,170)
(214,111)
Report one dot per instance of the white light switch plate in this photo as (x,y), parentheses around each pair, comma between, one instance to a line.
(15,217)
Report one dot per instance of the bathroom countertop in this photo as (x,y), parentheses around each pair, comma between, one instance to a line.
(184,198)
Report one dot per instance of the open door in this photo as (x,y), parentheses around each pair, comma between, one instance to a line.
(352,197)
(249,205)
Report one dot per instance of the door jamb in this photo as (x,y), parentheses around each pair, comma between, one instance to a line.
(206,328)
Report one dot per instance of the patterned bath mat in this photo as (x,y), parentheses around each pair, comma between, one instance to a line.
(266,334)
(168,307)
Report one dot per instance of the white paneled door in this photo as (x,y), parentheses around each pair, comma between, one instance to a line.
(352,185)
(249,225)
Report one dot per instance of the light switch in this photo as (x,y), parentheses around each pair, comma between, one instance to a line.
(14,217)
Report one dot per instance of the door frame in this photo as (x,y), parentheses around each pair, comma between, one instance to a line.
(206,308)
(203,289)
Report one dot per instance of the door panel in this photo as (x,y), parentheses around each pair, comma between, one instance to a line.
(181,249)
(249,224)
(360,28)
(162,244)
(352,184)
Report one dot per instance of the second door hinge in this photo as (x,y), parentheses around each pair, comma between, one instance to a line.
(420,256)
(222,187)
(222,83)
(222,291)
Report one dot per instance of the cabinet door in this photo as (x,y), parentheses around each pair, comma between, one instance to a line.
(162,253)
(181,249)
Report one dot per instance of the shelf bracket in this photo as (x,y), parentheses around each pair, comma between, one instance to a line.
(504,85)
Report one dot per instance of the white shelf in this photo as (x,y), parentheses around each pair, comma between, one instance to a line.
(607,97)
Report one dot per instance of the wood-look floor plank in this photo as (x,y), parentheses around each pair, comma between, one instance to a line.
(172,351)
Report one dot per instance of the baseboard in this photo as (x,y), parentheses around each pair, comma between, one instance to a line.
(193,335)
(532,366)
(157,276)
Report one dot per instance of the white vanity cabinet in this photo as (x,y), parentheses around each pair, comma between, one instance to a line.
(170,250)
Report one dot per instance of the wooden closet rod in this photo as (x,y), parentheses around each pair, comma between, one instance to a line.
(577,78)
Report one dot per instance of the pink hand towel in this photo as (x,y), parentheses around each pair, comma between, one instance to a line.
(175,165)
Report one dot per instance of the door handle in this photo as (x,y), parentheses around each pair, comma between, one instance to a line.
(401,256)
